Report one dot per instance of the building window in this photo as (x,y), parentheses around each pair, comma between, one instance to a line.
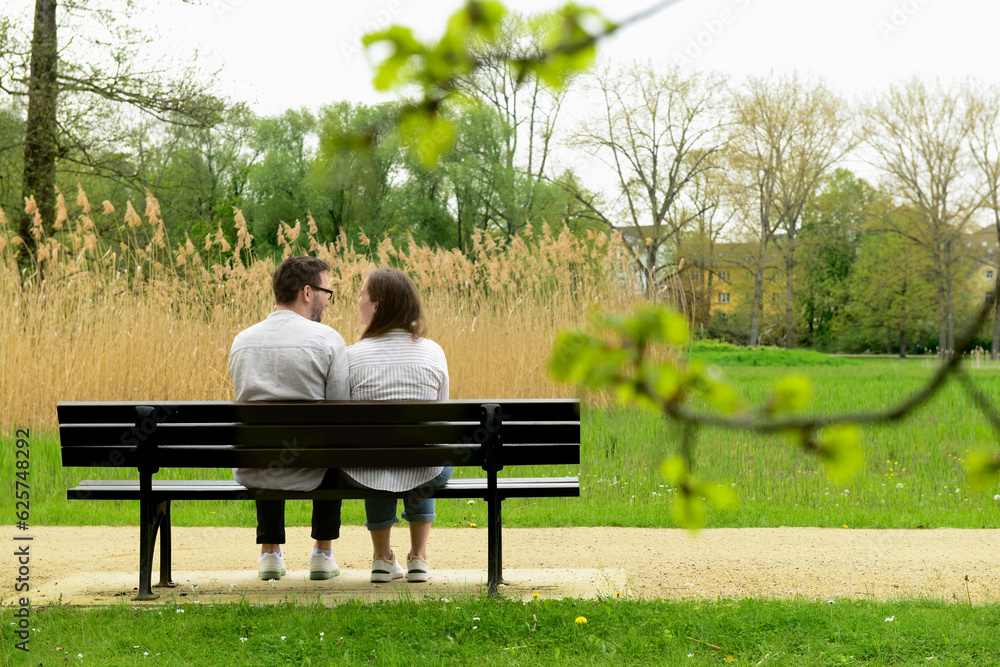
(724,297)
(989,298)
(723,275)
(989,275)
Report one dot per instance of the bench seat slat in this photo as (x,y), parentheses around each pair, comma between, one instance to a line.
(512,487)
(242,435)
(261,457)
(318,412)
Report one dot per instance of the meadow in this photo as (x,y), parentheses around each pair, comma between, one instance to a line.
(126,313)
(509,632)
(914,475)
(145,317)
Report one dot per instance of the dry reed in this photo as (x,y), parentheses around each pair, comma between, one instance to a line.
(129,314)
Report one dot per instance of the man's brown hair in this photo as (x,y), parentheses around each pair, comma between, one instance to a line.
(293,274)
(398,304)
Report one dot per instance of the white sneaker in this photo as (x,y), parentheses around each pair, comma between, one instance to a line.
(384,571)
(417,570)
(322,566)
(272,566)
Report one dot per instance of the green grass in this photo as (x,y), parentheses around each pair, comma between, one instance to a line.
(719,353)
(913,468)
(505,632)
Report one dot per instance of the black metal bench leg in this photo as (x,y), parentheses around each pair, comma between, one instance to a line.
(494,569)
(147,540)
(163,524)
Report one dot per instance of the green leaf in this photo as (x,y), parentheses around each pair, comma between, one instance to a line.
(664,379)
(688,510)
(570,40)
(792,394)
(840,450)
(566,364)
(582,359)
(427,133)
(717,394)
(673,470)
(653,323)
(982,470)
(389,74)
(720,495)
(477,17)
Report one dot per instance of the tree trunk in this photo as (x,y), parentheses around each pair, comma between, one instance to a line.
(652,289)
(949,303)
(995,347)
(789,295)
(888,341)
(758,297)
(902,342)
(39,176)
(942,319)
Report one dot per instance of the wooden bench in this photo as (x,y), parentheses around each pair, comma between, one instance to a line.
(152,435)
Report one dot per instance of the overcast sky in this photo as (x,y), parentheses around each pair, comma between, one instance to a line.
(308,52)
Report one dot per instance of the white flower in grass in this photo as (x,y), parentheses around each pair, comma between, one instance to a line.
(243,639)
(996,497)
(890,619)
(282,637)
(180,611)
(899,485)
(472,502)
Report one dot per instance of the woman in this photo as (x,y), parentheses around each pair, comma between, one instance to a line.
(392,362)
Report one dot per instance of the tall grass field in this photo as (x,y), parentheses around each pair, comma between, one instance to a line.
(117,310)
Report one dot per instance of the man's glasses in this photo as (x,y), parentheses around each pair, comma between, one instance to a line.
(329,293)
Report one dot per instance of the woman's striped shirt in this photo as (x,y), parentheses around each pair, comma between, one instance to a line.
(395,367)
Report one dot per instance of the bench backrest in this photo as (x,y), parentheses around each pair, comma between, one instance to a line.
(223,434)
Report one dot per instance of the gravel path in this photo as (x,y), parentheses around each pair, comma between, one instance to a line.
(99,565)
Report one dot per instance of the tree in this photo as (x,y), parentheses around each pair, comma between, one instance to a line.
(787,136)
(527,109)
(77,81)
(199,174)
(920,137)
(890,289)
(832,224)
(659,134)
(983,108)
(699,265)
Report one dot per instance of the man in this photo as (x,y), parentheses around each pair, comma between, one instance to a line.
(291,356)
